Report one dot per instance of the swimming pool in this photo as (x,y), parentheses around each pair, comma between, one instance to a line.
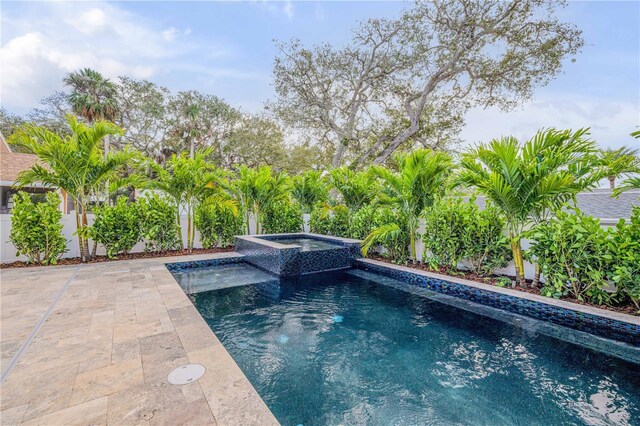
(354,347)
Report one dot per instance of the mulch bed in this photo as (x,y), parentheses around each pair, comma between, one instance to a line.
(629,308)
(130,256)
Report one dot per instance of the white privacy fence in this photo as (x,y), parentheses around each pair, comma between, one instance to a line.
(8,251)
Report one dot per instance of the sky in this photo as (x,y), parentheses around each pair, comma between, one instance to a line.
(227,49)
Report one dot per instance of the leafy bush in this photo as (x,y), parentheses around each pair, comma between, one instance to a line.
(320,220)
(571,250)
(160,229)
(118,227)
(36,231)
(457,230)
(444,240)
(624,253)
(218,224)
(282,217)
(340,221)
(391,233)
(362,222)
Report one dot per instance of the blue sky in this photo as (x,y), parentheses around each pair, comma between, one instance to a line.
(226,48)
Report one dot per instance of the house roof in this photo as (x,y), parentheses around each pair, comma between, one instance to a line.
(12,163)
(599,203)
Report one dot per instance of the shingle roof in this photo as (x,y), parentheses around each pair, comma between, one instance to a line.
(12,163)
(600,204)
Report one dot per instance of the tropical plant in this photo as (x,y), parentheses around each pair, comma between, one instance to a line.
(571,249)
(75,164)
(362,222)
(628,185)
(340,217)
(118,228)
(528,182)
(320,220)
(158,223)
(457,230)
(619,162)
(391,234)
(218,224)
(309,189)
(190,181)
(444,238)
(421,176)
(36,228)
(356,189)
(258,189)
(282,217)
(624,255)
(93,97)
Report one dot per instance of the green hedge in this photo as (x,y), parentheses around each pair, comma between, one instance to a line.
(218,225)
(282,217)
(457,230)
(118,228)
(160,228)
(36,228)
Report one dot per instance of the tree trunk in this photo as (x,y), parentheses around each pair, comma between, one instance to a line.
(516,248)
(536,277)
(180,229)
(84,247)
(192,149)
(339,154)
(78,232)
(106,154)
(612,182)
(189,229)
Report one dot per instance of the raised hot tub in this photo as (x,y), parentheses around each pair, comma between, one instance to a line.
(295,254)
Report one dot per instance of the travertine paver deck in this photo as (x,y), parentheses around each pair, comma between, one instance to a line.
(104,353)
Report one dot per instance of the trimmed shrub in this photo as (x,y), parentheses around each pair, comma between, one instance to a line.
(362,222)
(330,220)
(624,254)
(118,227)
(320,220)
(218,224)
(160,229)
(36,230)
(457,230)
(572,251)
(282,217)
(340,221)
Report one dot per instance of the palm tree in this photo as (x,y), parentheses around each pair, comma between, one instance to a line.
(190,181)
(357,189)
(619,162)
(309,189)
(74,164)
(93,97)
(258,189)
(528,182)
(421,176)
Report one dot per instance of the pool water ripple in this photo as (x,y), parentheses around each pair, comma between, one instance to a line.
(399,358)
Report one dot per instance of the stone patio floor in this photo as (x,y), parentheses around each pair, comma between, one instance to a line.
(94,345)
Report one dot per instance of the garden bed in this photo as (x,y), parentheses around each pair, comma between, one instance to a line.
(495,280)
(130,256)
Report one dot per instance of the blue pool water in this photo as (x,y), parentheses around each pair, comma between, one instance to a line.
(350,348)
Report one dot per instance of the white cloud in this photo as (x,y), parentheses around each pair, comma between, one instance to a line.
(610,120)
(318,12)
(40,47)
(288,9)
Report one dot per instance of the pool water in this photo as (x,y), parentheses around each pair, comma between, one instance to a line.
(216,277)
(350,348)
(307,244)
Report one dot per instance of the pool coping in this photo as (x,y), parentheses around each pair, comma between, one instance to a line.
(590,310)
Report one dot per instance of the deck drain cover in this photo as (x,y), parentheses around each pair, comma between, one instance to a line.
(186,374)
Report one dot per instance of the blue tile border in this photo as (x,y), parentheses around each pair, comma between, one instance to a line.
(609,328)
(192,264)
